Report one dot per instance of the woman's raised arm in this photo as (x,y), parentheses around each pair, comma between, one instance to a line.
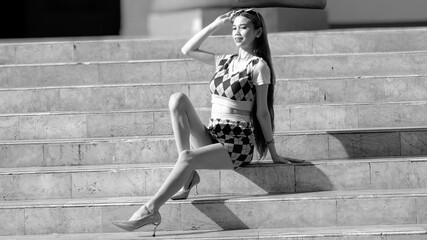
(192,47)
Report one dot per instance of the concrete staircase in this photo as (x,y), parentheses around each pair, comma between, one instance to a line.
(85,138)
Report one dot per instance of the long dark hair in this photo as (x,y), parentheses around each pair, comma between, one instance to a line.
(262,50)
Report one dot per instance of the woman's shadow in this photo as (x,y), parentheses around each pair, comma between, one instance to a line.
(259,179)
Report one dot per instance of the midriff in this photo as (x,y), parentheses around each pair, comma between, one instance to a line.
(224,112)
(217,108)
(225,108)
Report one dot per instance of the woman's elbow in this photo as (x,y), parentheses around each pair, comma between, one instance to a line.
(263,114)
(185,50)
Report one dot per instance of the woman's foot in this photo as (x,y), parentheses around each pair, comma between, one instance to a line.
(140,218)
(185,191)
(140,213)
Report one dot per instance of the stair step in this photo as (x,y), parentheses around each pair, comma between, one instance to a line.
(336,41)
(88,151)
(162,71)
(65,125)
(351,90)
(307,145)
(375,232)
(351,116)
(85,138)
(150,122)
(318,209)
(149,96)
(92,98)
(262,177)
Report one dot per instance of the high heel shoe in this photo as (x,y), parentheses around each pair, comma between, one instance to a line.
(151,218)
(183,194)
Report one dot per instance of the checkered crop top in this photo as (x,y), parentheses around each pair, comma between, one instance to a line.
(236,89)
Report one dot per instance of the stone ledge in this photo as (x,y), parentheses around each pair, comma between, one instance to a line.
(308,145)
(361,194)
(303,42)
(318,209)
(258,178)
(376,232)
(286,67)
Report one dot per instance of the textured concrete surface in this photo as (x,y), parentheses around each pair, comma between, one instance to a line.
(259,178)
(380,232)
(313,42)
(316,209)
(85,138)
(286,67)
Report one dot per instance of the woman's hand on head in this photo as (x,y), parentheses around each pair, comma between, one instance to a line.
(225,18)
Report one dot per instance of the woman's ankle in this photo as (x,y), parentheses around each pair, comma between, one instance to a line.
(151,207)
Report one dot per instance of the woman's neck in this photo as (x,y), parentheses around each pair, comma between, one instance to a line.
(244,55)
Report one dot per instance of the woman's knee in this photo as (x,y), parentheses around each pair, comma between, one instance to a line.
(187,158)
(178,101)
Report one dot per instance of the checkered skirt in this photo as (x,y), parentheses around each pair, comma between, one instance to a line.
(237,137)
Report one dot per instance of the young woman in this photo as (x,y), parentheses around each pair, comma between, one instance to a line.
(242,113)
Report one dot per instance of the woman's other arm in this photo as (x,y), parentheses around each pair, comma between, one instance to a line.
(263,115)
(264,119)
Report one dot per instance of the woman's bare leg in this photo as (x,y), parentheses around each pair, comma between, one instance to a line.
(185,122)
(186,125)
(212,156)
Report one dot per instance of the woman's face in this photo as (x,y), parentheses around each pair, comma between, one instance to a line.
(244,32)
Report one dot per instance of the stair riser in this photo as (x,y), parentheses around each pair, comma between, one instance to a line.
(281,44)
(163,150)
(228,215)
(388,64)
(286,67)
(154,123)
(369,41)
(89,99)
(83,125)
(131,151)
(156,96)
(389,89)
(133,181)
(330,117)
(105,73)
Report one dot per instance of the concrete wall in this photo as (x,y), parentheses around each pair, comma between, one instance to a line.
(376,11)
(138,19)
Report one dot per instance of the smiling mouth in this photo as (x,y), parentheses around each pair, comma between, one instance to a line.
(238,39)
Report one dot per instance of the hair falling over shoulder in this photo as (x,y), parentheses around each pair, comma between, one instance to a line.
(262,49)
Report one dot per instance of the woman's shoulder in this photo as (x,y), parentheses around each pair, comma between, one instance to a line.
(259,63)
(261,73)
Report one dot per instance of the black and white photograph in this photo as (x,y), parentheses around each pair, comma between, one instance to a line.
(213,120)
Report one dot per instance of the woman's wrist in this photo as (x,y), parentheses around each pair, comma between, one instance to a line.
(272,149)
(270,141)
